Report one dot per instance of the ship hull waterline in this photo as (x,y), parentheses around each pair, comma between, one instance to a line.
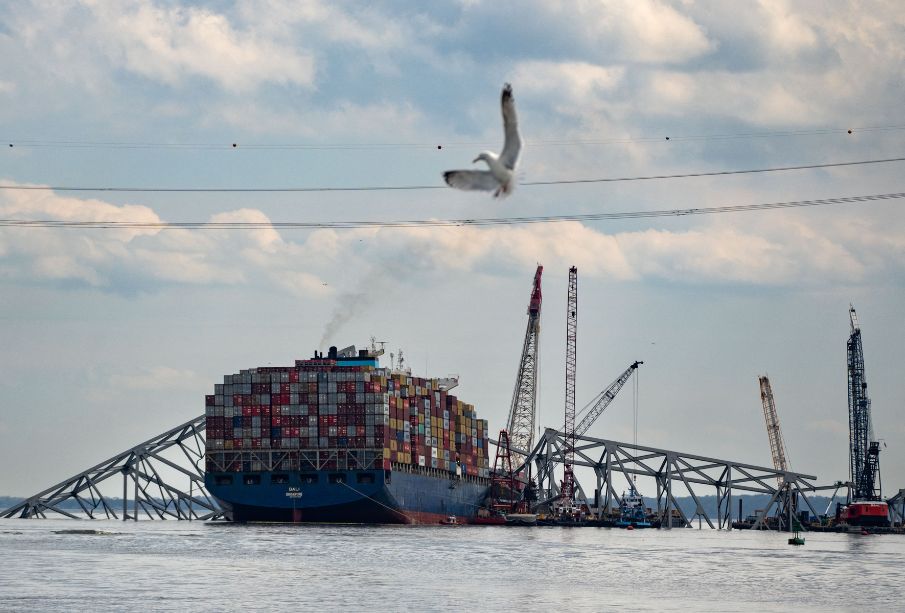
(352,497)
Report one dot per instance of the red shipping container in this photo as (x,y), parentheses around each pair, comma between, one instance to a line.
(209,401)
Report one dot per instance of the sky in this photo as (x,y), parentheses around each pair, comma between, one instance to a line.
(111,336)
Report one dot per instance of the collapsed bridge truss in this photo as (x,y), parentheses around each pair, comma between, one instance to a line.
(152,468)
(675,474)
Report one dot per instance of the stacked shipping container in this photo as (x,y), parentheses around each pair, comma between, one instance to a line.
(408,422)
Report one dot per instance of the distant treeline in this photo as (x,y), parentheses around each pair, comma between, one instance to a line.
(750,503)
(708,503)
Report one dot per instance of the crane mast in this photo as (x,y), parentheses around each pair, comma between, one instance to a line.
(568,483)
(864,452)
(523,412)
(777,446)
(603,400)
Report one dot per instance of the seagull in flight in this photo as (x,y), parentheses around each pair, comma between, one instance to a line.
(500,179)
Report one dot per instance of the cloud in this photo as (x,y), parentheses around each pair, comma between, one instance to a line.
(157,378)
(90,42)
(344,120)
(831,426)
(655,32)
(780,249)
(573,80)
(134,259)
(173,43)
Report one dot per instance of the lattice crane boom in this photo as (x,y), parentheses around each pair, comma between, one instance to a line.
(864,452)
(774,433)
(603,400)
(568,489)
(523,410)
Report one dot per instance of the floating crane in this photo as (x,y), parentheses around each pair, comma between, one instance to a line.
(519,432)
(865,505)
(567,491)
(523,412)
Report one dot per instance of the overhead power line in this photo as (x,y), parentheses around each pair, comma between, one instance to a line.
(67,143)
(378,188)
(488,221)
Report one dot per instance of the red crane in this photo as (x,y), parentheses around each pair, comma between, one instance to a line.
(505,488)
(522,412)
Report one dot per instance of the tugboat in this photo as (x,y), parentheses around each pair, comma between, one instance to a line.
(631,510)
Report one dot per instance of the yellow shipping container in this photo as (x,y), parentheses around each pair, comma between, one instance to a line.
(386,453)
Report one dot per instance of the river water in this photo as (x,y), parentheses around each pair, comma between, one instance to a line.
(67,565)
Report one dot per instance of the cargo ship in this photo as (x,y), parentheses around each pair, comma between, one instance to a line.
(338,439)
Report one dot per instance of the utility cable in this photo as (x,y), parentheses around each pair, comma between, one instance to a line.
(487,221)
(378,188)
(67,143)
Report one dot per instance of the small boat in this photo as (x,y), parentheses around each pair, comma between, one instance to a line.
(631,511)
(451,520)
(796,540)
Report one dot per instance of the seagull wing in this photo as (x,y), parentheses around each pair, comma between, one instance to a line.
(481,180)
(513,142)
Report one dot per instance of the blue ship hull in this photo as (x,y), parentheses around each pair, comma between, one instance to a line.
(354,496)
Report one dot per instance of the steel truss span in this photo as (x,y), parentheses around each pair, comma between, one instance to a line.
(150,470)
(616,464)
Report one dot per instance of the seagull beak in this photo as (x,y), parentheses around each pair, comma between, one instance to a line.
(476,160)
